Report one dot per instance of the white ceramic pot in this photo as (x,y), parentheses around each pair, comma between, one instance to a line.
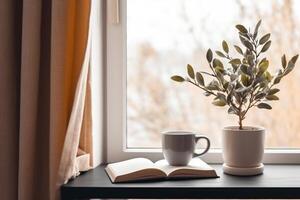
(243,150)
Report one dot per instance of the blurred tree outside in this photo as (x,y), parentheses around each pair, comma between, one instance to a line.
(164,36)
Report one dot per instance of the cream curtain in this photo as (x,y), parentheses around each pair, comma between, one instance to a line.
(45,88)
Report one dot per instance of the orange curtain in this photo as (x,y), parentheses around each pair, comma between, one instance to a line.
(45,104)
(70,58)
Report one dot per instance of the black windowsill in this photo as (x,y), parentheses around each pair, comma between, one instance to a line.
(277,182)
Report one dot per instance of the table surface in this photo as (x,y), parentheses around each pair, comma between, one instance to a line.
(277,182)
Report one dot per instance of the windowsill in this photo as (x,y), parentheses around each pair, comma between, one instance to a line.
(214,156)
(277,182)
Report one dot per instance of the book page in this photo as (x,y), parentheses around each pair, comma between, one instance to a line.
(196,167)
(130,166)
(133,170)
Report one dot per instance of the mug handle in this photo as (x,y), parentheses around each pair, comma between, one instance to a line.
(197,138)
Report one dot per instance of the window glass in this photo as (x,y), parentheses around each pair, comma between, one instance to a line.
(163,36)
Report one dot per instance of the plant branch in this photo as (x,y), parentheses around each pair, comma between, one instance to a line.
(220,81)
(203,72)
(203,88)
(250,105)
(240,115)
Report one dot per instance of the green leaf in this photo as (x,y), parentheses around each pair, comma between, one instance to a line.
(264,106)
(260,95)
(289,68)
(256,29)
(290,65)
(231,110)
(219,103)
(217,62)
(234,67)
(250,59)
(272,97)
(257,81)
(263,66)
(235,61)
(200,78)
(244,69)
(265,38)
(268,76)
(264,84)
(283,61)
(266,46)
(245,80)
(220,75)
(207,94)
(246,43)
(241,28)
(262,60)
(244,35)
(238,49)
(219,53)
(219,70)
(295,58)
(237,96)
(225,46)
(225,85)
(221,96)
(190,71)
(273,91)
(277,79)
(209,55)
(213,85)
(242,39)
(177,78)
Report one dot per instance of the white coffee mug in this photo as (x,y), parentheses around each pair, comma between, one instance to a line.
(179,146)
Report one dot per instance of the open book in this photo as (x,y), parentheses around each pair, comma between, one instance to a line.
(138,169)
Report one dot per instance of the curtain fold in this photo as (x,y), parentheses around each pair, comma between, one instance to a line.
(70,58)
(71,164)
(45,104)
(10,46)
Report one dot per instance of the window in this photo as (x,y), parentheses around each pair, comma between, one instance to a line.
(148,41)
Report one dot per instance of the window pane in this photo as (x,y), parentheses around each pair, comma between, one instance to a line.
(163,36)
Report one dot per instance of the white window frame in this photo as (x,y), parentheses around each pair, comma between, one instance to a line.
(116,99)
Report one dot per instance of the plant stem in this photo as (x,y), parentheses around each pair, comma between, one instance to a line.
(240,122)
(240,116)
(207,73)
(206,90)
(252,102)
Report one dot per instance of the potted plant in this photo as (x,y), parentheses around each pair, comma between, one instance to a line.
(241,83)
